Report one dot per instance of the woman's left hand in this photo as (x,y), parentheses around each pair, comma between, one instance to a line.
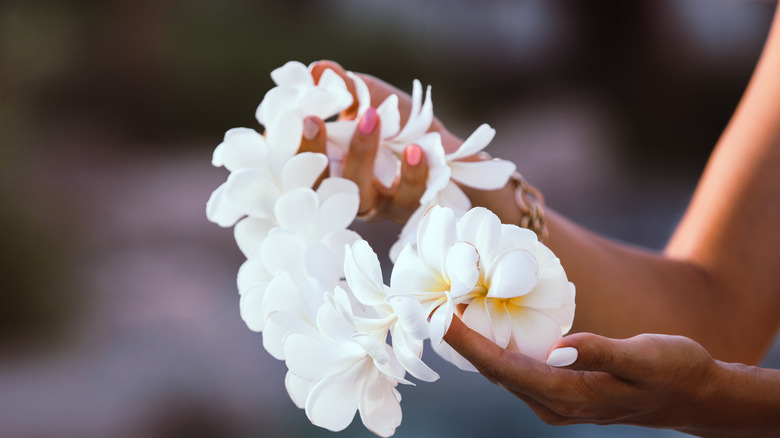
(650,380)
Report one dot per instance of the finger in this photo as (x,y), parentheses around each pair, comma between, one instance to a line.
(359,162)
(319,68)
(627,358)
(514,371)
(411,185)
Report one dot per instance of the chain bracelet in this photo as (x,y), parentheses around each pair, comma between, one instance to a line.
(531,204)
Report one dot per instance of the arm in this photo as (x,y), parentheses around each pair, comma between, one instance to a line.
(648,380)
(717,281)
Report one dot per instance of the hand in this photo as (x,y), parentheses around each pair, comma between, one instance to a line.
(648,380)
(400,200)
(397,202)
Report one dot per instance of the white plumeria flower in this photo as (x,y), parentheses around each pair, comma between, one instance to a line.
(519,296)
(296,92)
(338,370)
(262,170)
(315,289)
(446,170)
(400,315)
(308,245)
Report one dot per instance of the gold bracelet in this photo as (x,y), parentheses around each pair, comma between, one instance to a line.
(531,204)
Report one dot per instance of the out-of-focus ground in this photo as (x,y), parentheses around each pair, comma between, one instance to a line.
(118,309)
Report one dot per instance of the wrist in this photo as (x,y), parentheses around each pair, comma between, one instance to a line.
(739,400)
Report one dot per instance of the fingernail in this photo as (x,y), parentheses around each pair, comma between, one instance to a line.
(310,128)
(562,357)
(413,154)
(368,121)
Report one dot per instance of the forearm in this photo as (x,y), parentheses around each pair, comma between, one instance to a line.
(741,401)
(622,290)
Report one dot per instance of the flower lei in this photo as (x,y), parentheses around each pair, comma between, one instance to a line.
(314,288)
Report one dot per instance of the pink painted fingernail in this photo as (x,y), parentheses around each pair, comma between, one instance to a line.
(562,357)
(368,121)
(413,154)
(310,128)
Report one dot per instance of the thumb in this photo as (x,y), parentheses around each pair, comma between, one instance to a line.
(625,358)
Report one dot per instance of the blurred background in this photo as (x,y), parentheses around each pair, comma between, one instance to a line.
(118,306)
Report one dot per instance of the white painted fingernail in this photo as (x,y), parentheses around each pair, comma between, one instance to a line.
(562,357)
(310,128)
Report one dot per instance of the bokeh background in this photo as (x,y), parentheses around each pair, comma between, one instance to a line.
(118,307)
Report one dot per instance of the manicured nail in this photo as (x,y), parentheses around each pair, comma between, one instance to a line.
(310,128)
(562,357)
(368,121)
(413,154)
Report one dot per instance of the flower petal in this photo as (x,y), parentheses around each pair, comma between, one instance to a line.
(282,250)
(512,274)
(275,102)
(253,191)
(411,277)
(435,235)
(514,237)
(452,196)
(298,388)
(386,166)
(482,228)
(408,351)
(295,210)
(242,147)
(372,347)
(277,326)
(533,332)
(251,307)
(500,321)
(251,273)
(476,318)
(340,134)
(552,289)
(361,92)
(332,401)
(461,268)
(284,137)
(364,274)
(250,233)
(303,170)
(440,320)
(220,209)
(311,357)
(411,316)
(334,185)
(483,175)
(477,141)
(379,409)
(281,295)
(390,116)
(321,265)
(338,327)
(338,211)
(292,73)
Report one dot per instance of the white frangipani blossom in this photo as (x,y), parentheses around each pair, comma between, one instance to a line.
(339,370)
(297,93)
(400,315)
(314,288)
(515,289)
